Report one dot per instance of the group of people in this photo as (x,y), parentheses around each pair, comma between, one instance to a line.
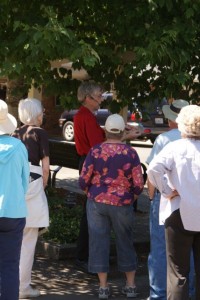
(24,169)
(173,187)
(111,177)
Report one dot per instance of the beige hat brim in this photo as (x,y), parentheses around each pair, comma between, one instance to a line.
(8,125)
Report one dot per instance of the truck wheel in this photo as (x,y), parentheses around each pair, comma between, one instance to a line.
(68,131)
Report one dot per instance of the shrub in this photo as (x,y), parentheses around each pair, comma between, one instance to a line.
(64,219)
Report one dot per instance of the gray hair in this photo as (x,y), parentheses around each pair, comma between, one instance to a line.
(29,109)
(114,136)
(189,121)
(88,88)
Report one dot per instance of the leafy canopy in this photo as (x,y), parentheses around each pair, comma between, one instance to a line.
(128,44)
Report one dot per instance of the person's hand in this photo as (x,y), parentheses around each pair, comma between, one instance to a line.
(173,194)
(132,132)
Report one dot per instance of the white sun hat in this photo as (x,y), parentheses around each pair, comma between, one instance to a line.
(171,111)
(8,123)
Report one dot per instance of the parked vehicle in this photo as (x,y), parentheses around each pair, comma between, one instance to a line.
(151,117)
(67,124)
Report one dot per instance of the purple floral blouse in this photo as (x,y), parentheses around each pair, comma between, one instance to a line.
(112,174)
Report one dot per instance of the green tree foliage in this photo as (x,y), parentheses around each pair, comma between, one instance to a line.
(114,41)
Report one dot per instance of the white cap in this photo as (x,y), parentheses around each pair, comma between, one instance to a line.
(115,124)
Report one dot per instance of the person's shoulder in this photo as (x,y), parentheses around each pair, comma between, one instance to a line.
(172,134)
(129,148)
(17,131)
(13,140)
(98,146)
(82,110)
(40,132)
(16,143)
(86,117)
(163,135)
(82,113)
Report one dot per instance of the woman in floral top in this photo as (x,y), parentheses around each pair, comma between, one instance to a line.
(111,177)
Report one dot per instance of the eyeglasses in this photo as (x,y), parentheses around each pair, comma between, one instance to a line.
(96,97)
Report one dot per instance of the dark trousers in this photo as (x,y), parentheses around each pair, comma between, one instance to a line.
(179,243)
(11,233)
(83,238)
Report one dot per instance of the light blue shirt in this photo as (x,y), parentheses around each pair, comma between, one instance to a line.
(14,177)
(162,140)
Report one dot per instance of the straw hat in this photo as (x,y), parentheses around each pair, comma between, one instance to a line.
(8,123)
(171,111)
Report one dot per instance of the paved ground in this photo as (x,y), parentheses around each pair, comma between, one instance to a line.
(59,279)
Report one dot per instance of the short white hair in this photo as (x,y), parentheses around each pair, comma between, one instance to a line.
(189,121)
(29,109)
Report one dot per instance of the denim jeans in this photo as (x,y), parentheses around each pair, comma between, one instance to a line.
(157,264)
(101,218)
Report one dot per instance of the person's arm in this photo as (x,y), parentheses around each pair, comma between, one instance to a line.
(44,155)
(157,147)
(45,169)
(86,173)
(131,132)
(26,169)
(173,194)
(151,189)
(137,176)
(158,169)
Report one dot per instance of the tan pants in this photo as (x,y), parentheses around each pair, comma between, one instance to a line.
(29,241)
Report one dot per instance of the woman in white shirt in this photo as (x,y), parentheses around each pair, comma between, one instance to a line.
(175,172)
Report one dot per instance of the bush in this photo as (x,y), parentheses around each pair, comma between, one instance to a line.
(64,219)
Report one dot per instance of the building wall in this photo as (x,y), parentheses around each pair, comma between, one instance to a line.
(52,113)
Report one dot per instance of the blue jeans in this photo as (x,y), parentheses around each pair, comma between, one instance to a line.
(157,264)
(11,233)
(101,218)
